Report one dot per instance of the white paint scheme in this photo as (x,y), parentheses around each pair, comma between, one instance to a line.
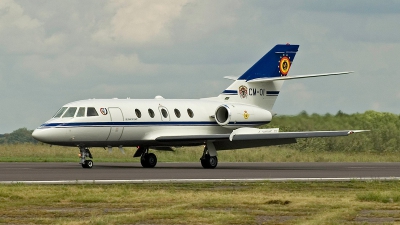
(220,123)
(138,131)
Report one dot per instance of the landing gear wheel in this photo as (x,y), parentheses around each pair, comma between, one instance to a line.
(87,164)
(85,153)
(148,160)
(209,162)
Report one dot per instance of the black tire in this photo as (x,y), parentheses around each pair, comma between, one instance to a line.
(148,160)
(209,162)
(204,163)
(151,160)
(213,162)
(143,161)
(87,164)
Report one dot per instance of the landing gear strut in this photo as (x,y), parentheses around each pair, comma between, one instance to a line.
(84,152)
(148,160)
(208,161)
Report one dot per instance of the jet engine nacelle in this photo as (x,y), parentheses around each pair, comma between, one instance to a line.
(235,116)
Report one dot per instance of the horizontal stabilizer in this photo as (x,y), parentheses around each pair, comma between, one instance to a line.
(268,79)
(231,77)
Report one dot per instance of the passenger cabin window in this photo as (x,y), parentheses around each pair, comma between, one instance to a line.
(164,113)
(60,112)
(177,113)
(190,113)
(70,112)
(151,113)
(138,113)
(91,111)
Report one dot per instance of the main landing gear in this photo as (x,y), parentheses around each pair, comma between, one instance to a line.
(207,160)
(84,152)
(148,160)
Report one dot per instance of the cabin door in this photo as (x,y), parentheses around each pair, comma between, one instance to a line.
(117,127)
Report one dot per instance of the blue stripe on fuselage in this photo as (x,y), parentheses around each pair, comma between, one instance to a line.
(141,124)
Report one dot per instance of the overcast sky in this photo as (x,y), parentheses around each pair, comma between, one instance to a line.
(54,52)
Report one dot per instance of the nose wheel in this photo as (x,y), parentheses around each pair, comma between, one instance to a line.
(84,152)
(87,164)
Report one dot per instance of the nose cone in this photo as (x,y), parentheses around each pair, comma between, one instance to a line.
(39,134)
(50,135)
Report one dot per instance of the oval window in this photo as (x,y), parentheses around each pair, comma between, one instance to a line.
(177,113)
(151,113)
(164,113)
(190,113)
(138,113)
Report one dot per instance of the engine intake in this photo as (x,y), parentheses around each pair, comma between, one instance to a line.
(222,115)
(235,116)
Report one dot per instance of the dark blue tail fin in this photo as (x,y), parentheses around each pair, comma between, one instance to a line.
(275,63)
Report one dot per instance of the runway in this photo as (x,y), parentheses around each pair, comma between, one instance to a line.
(191,172)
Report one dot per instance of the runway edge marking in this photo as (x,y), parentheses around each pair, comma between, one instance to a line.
(201,180)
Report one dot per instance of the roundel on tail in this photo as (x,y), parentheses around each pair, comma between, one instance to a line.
(242,91)
(284,65)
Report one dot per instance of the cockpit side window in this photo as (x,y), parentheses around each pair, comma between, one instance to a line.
(60,112)
(91,111)
(70,112)
(81,112)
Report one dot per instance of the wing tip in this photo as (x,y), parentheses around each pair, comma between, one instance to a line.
(356,131)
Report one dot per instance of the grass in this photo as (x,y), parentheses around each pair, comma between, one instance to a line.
(353,202)
(45,153)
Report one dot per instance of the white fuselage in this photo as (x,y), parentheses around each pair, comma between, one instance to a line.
(129,122)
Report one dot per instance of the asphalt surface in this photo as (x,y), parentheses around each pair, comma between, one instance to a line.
(194,171)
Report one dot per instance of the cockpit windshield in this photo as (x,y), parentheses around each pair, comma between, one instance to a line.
(60,112)
(70,112)
(81,112)
(66,112)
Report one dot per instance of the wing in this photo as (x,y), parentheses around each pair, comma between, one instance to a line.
(251,137)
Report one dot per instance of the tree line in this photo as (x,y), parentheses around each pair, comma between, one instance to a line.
(22,135)
(384,135)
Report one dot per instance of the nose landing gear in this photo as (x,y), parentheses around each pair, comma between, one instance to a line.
(84,152)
